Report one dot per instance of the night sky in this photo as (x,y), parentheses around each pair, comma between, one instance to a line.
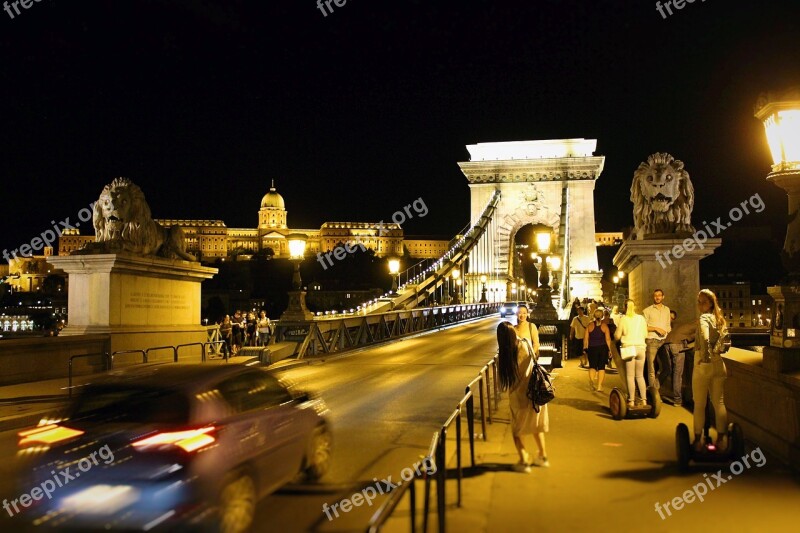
(357,114)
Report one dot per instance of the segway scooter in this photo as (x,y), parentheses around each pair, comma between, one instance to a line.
(618,398)
(709,452)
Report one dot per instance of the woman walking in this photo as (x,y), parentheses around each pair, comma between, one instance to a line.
(709,373)
(515,364)
(632,330)
(597,346)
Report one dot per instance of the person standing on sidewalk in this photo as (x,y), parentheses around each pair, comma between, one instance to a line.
(597,345)
(709,374)
(676,342)
(264,329)
(225,330)
(658,326)
(250,328)
(577,330)
(238,330)
(515,365)
(632,330)
(527,330)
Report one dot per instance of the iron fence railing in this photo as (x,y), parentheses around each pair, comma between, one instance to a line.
(487,386)
(325,336)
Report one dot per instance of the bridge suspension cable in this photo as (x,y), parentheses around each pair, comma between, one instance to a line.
(423,286)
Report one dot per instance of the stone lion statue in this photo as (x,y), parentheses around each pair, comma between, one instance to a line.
(122,223)
(663,198)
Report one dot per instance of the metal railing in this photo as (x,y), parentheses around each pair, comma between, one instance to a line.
(200,344)
(125,352)
(437,455)
(72,358)
(161,348)
(215,351)
(145,354)
(346,333)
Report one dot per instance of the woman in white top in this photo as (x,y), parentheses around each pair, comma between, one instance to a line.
(632,329)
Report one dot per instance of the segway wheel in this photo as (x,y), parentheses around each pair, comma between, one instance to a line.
(683,447)
(736,440)
(654,399)
(616,402)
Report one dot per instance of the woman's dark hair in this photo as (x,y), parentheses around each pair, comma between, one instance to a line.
(507,360)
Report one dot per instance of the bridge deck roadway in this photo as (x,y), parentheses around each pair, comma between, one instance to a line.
(387,401)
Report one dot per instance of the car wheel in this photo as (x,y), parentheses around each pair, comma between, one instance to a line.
(318,456)
(237,503)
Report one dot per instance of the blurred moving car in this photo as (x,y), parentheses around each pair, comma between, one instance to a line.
(508,308)
(185,445)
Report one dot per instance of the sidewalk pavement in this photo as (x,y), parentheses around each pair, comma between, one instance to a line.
(604,475)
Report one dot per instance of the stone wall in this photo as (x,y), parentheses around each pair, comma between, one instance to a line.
(42,358)
(765,403)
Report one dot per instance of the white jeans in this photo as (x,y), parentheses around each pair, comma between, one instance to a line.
(709,379)
(634,372)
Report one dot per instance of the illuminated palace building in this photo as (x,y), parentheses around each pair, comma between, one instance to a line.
(212,239)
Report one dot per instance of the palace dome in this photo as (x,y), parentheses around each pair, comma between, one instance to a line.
(272,200)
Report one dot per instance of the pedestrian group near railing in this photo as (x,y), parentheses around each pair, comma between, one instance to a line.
(244,330)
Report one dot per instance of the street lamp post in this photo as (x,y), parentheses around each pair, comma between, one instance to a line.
(484,279)
(297,310)
(394,270)
(544,300)
(456,275)
(781,117)
(780,114)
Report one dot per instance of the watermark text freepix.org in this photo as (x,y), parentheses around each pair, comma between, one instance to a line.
(669,4)
(699,491)
(384,486)
(49,236)
(710,230)
(13,7)
(323,4)
(60,478)
(399,217)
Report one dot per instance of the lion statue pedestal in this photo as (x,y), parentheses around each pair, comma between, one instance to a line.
(136,282)
(664,251)
(679,278)
(141,302)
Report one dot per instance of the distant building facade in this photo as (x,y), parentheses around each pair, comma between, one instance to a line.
(212,239)
(608,239)
(741,306)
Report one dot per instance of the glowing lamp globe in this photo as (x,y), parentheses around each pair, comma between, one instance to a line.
(780,114)
(297,245)
(543,241)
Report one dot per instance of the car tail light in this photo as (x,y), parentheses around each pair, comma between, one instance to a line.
(189,440)
(47,434)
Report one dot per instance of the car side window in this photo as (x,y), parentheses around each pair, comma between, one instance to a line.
(251,391)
